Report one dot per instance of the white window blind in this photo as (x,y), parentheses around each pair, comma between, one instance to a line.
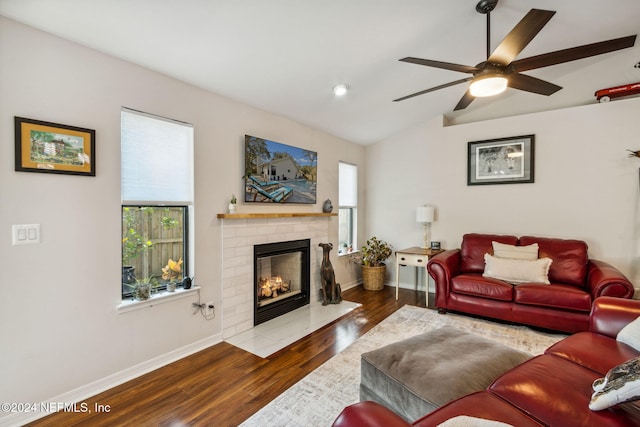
(156,160)
(348,185)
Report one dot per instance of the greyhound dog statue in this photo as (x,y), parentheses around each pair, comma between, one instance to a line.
(331,293)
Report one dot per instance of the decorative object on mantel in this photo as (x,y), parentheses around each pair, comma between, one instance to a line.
(425,215)
(327,206)
(501,161)
(232,204)
(372,257)
(172,273)
(331,291)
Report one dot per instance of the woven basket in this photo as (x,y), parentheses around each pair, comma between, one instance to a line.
(373,277)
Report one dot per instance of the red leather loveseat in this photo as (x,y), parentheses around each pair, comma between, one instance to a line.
(553,389)
(574,282)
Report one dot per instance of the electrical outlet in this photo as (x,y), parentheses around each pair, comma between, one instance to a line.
(208,309)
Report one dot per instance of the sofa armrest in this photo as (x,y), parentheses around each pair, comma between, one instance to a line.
(609,315)
(603,279)
(442,268)
(369,414)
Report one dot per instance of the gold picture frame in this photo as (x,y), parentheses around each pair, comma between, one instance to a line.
(54,148)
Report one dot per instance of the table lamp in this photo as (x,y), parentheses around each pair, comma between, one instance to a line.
(425,215)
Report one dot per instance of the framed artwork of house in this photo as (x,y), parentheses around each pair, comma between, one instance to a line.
(54,148)
(279,173)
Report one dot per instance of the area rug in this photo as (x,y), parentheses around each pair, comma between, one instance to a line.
(318,398)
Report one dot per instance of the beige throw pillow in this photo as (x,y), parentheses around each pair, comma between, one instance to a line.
(517,270)
(529,252)
(630,334)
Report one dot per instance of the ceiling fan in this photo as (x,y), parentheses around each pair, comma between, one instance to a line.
(501,70)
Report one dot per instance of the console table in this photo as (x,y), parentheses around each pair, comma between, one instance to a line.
(415,257)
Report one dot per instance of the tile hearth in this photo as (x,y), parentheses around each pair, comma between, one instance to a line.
(269,337)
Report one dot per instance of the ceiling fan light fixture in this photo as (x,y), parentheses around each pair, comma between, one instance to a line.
(489,85)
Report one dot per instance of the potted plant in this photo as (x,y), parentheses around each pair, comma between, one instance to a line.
(172,272)
(142,288)
(372,257)
(232,204)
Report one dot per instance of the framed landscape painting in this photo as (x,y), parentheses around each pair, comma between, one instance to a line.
(501,161)
(279,173)
(54,148)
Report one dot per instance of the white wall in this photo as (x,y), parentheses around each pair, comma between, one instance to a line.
(60,329)
(586,187)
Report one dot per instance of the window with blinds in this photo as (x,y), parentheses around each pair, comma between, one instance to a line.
(157,194)
(347,208)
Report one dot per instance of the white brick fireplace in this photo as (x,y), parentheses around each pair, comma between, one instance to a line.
(239,234)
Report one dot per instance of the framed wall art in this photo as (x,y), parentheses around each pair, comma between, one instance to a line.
(501,161)
(279,173)
(54,148)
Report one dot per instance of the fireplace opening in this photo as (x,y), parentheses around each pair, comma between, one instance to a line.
(281,278)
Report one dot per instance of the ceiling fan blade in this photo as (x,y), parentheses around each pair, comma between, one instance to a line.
(573,53)
(532,84)
(464,102)
(520,36)
(440,64)
(422,92)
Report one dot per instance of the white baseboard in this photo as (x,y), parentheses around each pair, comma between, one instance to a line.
(349,285)
(86,391)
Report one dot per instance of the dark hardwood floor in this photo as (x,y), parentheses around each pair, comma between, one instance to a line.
(224,385)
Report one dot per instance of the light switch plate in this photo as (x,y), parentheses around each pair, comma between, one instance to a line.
(26,234)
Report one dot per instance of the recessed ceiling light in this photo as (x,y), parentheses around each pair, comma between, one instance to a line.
(340,90)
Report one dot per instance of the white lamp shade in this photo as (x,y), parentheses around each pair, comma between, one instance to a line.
(425,214)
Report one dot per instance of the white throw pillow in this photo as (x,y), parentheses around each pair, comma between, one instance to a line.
(529,252)
(467,421)
(623,388)
(517,270)
(630,334)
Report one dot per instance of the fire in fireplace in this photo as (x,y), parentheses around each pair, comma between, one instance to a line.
(271,288)
(281,278)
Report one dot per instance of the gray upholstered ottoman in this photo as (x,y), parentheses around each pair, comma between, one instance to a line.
(417,375)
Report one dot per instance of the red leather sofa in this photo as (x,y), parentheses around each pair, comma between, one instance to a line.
(553,389)
(563,305)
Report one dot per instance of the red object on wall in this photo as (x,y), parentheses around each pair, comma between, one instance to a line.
(605,95)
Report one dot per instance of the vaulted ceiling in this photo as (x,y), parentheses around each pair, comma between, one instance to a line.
(285,56)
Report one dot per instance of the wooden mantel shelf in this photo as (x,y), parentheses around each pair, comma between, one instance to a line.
(273,215)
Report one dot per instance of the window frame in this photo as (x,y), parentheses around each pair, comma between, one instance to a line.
(351,208)
(184,202)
